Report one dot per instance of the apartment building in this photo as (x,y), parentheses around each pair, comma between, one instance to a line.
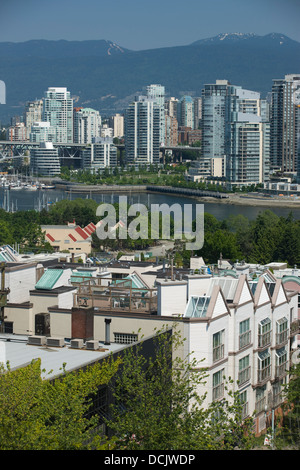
(142,131)
(236,326)
(58,110)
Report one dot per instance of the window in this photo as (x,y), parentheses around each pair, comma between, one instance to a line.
(264,333)
(278,396)
(260,399)
(244,403)
(264,366)
(245,334)
(281,330)
(125,338)
(244,370)
(8,327)
(218,385)
(218,346)
(281,362)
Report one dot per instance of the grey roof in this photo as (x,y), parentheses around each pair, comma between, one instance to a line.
(16,350)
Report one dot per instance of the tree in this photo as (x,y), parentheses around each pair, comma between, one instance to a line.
(265,235)
(157,405)
(39,414)
(289,431)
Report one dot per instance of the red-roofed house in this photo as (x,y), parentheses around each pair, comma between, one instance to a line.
(70,237)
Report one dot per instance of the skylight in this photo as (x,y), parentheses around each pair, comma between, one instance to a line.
(197,307)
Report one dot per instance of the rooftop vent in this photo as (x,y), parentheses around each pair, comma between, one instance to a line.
(92,345)
(37,340)
(76,343)
(55,342)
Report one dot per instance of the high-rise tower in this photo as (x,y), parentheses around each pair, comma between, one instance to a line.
(142,120)
(58,110)
(285,100)
(235,129)
(157,93)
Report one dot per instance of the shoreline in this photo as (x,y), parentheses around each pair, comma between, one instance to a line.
(255,201)
(231,199)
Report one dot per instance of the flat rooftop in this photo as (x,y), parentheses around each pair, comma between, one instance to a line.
(15,350)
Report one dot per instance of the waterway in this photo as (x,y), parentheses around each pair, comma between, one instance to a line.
(14,200)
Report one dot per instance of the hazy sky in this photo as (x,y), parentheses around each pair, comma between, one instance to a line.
(140,24)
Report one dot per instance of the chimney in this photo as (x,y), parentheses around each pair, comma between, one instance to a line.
(82,323)
(107,330)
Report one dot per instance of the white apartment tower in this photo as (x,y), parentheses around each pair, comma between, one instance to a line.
(157,93)
(33,113)
(87,125)
(142,120)
(117,124)
(58,110)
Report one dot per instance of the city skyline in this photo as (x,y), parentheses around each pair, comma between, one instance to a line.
(132,26)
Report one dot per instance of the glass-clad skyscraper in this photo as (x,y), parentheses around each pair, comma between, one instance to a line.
(285,122)
(235,129)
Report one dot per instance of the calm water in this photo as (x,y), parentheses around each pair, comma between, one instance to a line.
(26,200)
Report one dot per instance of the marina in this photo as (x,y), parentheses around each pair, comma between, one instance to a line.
(34,195)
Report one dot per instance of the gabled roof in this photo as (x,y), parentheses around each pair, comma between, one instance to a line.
(279,296)
(207,306)
(243,292)
(260,291)
(227,285)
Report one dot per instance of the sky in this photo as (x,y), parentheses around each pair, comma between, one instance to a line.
(140,24)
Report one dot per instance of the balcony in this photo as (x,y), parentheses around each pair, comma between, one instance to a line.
(260,405)
(281,370)
(295,328)
(264,340)
(245,411)
(263,375)
(218,353)
(218,392)
(281,338)
(244,375)
(121,297)
(244,339)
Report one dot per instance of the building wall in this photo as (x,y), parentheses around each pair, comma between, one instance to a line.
(20,280)
(22,318)
(61,323)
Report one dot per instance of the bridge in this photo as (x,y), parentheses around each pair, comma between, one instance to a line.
(17,149)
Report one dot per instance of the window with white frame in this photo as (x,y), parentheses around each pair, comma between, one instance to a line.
(260,399)
(218,346)
(218,385)
(244,333)
(244,369)
(282,330)
(244,402)
(281,359)
(264,333)
(278,396)
(264,366)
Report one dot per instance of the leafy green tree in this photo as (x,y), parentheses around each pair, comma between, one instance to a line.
(265,235)
(288,433)
(39,414)
(157,406)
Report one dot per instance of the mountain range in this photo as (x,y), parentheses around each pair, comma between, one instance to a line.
(106,76)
